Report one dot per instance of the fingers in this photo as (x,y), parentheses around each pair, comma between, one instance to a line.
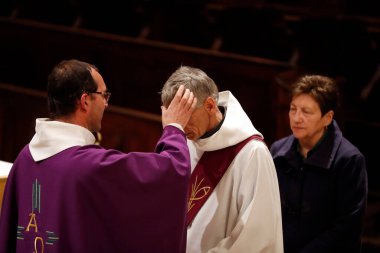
(191,102)
(187,99)
(194,103)
(178,96)
(180,109)
(182,100)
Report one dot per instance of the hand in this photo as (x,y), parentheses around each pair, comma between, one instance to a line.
(180,109)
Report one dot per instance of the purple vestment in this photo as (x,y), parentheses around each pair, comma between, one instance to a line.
(87,199)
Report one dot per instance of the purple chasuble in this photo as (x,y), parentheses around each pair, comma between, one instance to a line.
(88,200)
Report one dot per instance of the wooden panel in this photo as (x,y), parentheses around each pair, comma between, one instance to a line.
(122,128)
(19,108)
(130,130)
(135,69)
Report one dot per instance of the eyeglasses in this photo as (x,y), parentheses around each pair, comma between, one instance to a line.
(106,95)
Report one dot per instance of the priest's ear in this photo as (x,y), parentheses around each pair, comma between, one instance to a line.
(210,104)
(82,102)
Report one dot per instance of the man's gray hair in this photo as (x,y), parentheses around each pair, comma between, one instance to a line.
(193,79)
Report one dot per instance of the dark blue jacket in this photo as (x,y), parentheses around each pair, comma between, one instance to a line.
(323,197)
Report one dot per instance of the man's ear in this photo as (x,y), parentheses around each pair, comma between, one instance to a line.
(210,104)
(83,104)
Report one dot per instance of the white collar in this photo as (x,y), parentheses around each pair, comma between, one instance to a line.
(52,137)
(236,127)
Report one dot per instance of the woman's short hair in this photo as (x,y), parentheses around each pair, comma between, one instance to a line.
(322,88)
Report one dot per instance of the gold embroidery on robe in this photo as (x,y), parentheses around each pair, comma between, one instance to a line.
(198,192)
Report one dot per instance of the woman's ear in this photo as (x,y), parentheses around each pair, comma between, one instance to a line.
(328,117)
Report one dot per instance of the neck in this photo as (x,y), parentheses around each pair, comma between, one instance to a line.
(306,145)
(71,119)
(216,124)
(303,151)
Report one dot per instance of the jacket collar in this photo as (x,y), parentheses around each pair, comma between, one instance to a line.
(322,156)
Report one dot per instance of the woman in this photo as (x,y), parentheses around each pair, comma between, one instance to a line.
(322,176)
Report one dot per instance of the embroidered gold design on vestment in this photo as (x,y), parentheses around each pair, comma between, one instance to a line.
(32,225)
(198,192)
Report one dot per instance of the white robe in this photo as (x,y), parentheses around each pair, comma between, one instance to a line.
(243,213)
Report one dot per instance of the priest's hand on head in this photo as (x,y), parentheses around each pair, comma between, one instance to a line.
(180,108)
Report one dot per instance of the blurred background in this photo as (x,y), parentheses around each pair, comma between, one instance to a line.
(254,48)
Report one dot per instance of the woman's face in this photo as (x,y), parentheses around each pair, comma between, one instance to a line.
(306,120)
